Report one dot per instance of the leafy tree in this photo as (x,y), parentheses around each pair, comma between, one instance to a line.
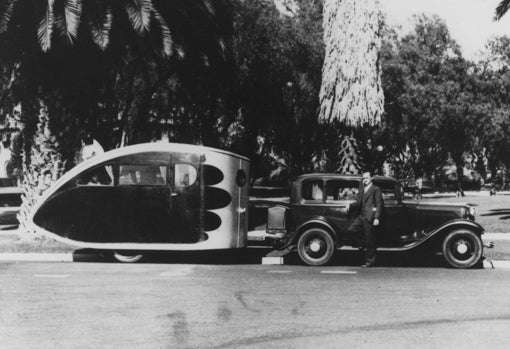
(275,95)
(491,86)
(429,99)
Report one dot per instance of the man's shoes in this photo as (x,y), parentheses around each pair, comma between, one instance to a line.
(367,265)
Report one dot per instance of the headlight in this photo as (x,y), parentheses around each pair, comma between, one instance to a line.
(472,211)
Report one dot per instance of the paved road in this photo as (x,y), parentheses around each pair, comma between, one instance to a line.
(162,305)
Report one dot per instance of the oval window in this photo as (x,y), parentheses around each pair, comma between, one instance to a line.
(241,178)
(185,175)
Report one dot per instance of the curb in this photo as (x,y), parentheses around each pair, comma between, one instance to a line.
(68,257)
(496,264)
(36,257)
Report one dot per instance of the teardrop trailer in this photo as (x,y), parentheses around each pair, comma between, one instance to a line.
(149,197)
(178,197)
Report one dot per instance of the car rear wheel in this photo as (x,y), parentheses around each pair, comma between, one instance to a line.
(462,248)
(127,257)
(316,246)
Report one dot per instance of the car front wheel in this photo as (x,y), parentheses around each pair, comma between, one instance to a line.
(462,248)
(316,246)
(127,257)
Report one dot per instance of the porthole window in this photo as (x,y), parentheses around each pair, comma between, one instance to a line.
(184,175)
(241,178)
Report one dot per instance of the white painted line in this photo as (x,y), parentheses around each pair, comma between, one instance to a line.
(177,272)
(279,271)
(272,260)
(37,257)
(55,276)
(338,272)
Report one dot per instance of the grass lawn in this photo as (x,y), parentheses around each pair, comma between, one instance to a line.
(492,212)
(11,242)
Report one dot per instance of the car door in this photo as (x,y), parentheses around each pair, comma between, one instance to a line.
(310,203)
(399,220)
(339,193)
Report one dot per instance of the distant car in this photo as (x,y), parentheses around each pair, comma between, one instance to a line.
(10,202)
(315,220)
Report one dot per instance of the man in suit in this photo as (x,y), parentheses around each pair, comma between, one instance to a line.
(370,204)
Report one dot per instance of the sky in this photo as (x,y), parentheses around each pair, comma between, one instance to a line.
(470,22)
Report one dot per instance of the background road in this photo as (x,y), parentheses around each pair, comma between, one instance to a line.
(152,305)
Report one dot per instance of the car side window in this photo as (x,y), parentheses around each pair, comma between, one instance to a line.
(312,191)
(338,190)
(387,190)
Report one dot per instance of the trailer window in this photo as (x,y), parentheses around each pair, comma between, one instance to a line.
(184,175)
(100,175)
(142,175)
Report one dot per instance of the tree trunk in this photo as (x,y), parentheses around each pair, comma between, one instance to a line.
(351,91)
(348,156)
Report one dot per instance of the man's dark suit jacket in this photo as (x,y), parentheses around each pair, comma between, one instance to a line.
(371,203)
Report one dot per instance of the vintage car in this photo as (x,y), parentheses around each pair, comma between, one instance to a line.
(314,220)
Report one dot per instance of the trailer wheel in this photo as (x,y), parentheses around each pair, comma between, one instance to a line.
(127,257)
(462,248)
(316,246)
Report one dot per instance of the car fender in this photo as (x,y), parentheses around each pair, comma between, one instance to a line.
(441,231)
(458,223)
(314,221)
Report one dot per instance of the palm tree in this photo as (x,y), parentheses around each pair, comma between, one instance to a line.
(351,94)
(502,9)
(65,18)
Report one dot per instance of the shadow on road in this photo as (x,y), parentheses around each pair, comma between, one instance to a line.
(254,256)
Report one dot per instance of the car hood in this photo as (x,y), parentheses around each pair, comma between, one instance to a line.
(437,205)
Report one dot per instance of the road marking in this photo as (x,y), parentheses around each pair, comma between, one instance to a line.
(338,272)
(178,272)
(279,271)
(56,276)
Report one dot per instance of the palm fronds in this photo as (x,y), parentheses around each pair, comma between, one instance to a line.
(101,28)
(166,35)
(6,8)
(502,9)
(45,30)
(139,14)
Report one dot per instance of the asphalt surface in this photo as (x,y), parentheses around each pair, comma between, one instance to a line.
(152,305)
